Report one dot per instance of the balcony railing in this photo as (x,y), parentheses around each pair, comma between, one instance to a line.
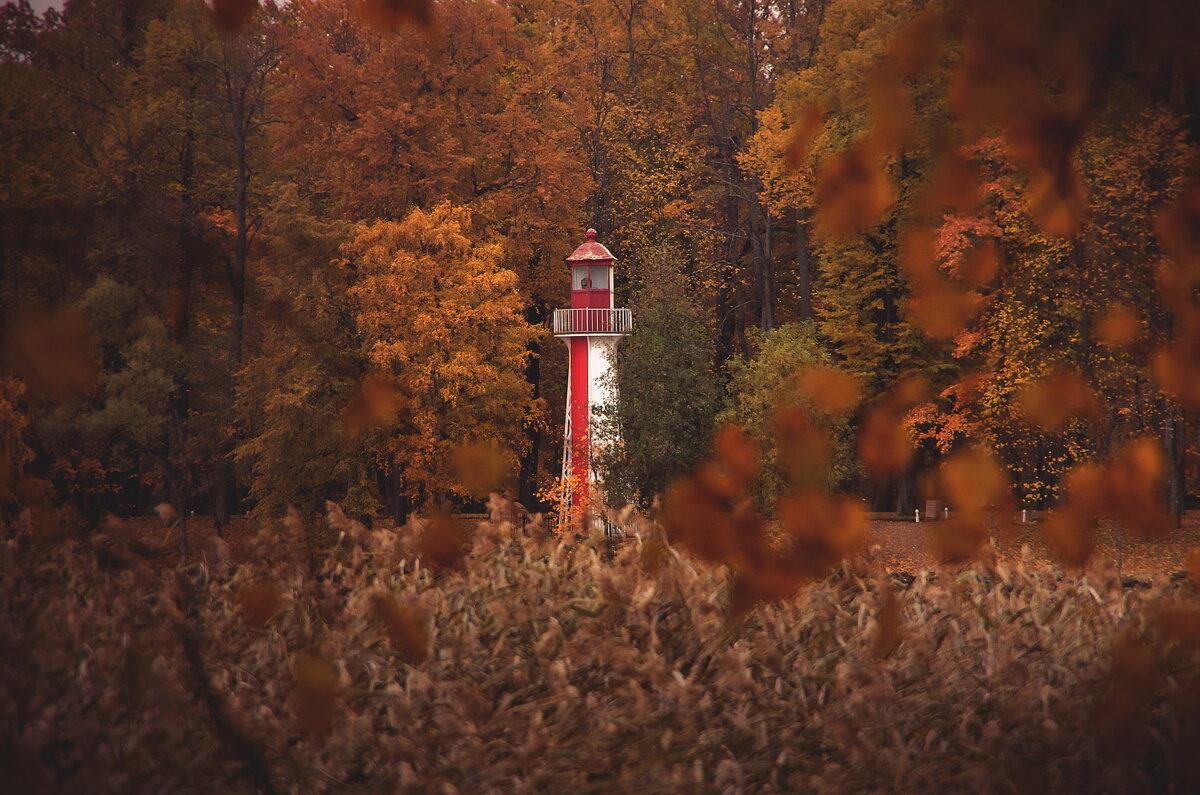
(592,321)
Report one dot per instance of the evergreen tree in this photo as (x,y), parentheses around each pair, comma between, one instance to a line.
(668,391)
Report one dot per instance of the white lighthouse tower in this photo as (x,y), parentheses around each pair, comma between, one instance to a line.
(592,327)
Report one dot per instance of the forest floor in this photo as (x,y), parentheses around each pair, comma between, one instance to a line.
(902,544)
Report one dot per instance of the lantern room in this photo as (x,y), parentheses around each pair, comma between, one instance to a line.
(591,275)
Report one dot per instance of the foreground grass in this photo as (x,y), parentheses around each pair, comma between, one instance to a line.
(536,666)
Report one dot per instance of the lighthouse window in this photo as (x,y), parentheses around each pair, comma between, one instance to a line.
(600,277)
(579,277)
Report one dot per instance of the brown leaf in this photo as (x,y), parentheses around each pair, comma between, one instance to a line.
(232,16)
(388,15)
(479,467)
(1070,536)
(1118,326)
(1052,401)
(957,540)
(890,626)
(407,626)
(972,480)
(804,131)
(830,388)
(918,45)
(700,519)
(441,541)
(51,354)
(853,190)
(315,694)
(377,401)
(737,453)
(803,448)
(259,602)
(884,444)
(1192,564)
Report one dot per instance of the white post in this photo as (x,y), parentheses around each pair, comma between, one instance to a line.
(917,515)
(946,512)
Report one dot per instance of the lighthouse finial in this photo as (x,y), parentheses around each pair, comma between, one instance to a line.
(591,234)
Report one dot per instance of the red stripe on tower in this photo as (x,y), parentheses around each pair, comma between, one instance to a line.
(580,409)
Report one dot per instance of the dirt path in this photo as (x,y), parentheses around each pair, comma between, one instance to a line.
(903,546)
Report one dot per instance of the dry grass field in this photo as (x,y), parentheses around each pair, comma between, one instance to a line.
(532,665)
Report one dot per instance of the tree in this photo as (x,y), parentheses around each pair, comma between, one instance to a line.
(441,320)
(667,389)
(778,377)
(303,371)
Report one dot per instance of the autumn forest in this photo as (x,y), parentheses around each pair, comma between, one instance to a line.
(907,420)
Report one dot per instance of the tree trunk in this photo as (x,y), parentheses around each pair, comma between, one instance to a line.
(528,473)
(1173,443)
(803,264)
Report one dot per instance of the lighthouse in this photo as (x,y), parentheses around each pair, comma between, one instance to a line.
(591,328)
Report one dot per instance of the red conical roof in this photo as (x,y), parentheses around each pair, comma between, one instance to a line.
(591,250)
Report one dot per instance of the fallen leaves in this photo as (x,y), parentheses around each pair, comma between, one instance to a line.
(1127,490)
